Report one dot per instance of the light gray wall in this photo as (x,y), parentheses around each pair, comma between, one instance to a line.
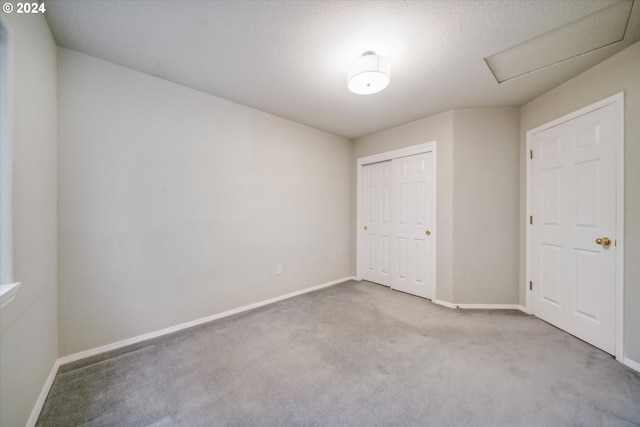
(437,128)
(175,204)
(28,330)
(485,205)
(618,73)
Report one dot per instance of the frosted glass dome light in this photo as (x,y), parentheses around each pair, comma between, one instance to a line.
(369,74)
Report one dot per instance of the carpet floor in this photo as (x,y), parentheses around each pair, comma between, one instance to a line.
(355,354)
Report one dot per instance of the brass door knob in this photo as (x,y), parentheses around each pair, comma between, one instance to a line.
(604,241)
(365,228)
(428,233)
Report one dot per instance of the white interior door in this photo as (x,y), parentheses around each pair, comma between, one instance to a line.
(574,211)
(413,221)
(377,221)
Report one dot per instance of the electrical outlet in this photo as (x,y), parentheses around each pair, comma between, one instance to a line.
(279,269)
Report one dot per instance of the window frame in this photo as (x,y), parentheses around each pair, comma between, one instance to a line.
(8,286)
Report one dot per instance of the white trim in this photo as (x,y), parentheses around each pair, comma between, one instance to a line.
(525,309)
(396,154)
(528,211)
(631,364)
(8,293)
(382,157)
(37,408)
(490,306)
(444,303)
(6,157)
(618,100)
(479,306)
(171,329)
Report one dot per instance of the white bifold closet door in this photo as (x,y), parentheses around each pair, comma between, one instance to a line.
(399,202)
(377,223)
(412,222)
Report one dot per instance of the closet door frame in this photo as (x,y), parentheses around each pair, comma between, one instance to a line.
(381,157)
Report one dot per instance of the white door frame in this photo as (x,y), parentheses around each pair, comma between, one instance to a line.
(382,157)
(618,101)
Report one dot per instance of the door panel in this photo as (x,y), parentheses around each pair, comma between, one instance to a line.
(551,266)
(413,214)
(377,222)
(587,176)
(586,293)
(574,203)
(551,197)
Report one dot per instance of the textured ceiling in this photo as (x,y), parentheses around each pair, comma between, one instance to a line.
(290,58)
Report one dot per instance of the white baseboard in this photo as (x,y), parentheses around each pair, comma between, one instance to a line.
(631,364)
(443,303)
(524,309)
(480,306)
(171,329)
(35,412)
(8,292)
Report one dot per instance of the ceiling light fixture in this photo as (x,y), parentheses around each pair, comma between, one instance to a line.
(369,74)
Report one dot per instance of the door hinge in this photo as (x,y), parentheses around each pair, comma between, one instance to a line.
(530,285)
(531,154)
(531,219)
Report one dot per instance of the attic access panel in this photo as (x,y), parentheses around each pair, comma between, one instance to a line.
(600,29)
